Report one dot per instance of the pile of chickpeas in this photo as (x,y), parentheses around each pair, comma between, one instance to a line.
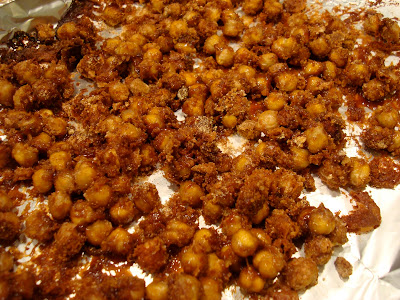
(274,73)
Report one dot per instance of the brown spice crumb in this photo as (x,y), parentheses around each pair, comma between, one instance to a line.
(343,267)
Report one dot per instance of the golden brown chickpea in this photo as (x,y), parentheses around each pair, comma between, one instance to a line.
(330,71)
(387,117)
(250,280)
(358,73)
(42,142)
(97,232)
(316,108)
(319,249)
(252,35)
(82,213)
(339,56)
(39,226)
(6,204)
(146,197)
(313,68)
(27,71)
(203,240)
(178,28)
(119,91)
(127,48)
(212,289)
(372,24)
(193,262)
(84,174)
(275,101)
(375,90)
(123,212)
(251,7)
(60,160)
(267,120)
(42,180)
(184,287)
(157,290)
(244,243)
(233,25)
(25,155)
(317,138)
(9,226)
(224,56)
(229,121)
(68,240)
(286,82)
(267,60)
(191,193)
(178,233)
(300,158)
(261,214)
(98,195)
(272,8)
(320,47)
(321,221)
(55,126)
(65,182)
(60,205)
(7,91)
(285,48)
(119,241)
(269,262)
(193,107)
(153,54)
(360,172)
(316,85)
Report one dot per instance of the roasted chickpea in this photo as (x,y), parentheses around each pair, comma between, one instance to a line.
(229,121)
(286,82)
(119,91)
(42,180)
(320,47)
(9,226)
(212,289)
(387,117)
(157,290)
(25,155)
(301,273)
(59,205)
(300,158)
(98,195)
(244,243)
(119,241)
(267,60)
(178,28)
(39,226)
(317,138)
(224,56)
(251,7)
(319,249)
(191,193)
(6,262)
(194,262)
(97,232)
(203,240)
(285,48)
(65,182)
(321,221)
(233,25)
(82,213)
(123,212)
(275,101)
(42,142)
(60,160)
(267,120)
(269,262)
(84,174)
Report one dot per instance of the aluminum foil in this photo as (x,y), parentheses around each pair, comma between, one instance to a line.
(26,14)
(375,256)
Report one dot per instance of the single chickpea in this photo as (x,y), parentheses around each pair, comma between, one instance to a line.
(359,175)
(212,289)
(286,82)
(42,180)
(272,8)
(42,142)
(269,262)
(229,121)
(123,212)
(317,138)
(67,30)
(233,25)
(25,155)
(300,158)
(27,71)
(6,204)
(244,243)
(264,240)
(212,13)
(97,232)
(313,68)
(372,24)
(267,120)
(225,56)
(276,101)
(60,205)
(82,213)
(320,47)
(321,221)
(55,126)
(358,73)
(7,91)
(316,108)
(84,174)
(203,240)
(252,35)
(119,91)
(191,193)
(98,195)
(251,7)
(330,71)
(112,16)
(194,263)
(60,160)
(261,214)
(267,60)
(388,117)
(242,163)
(339,56)
(157,290)
(250,280)
(178,28)
(247,71)
(285,48)
(65,182)
(119,241)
